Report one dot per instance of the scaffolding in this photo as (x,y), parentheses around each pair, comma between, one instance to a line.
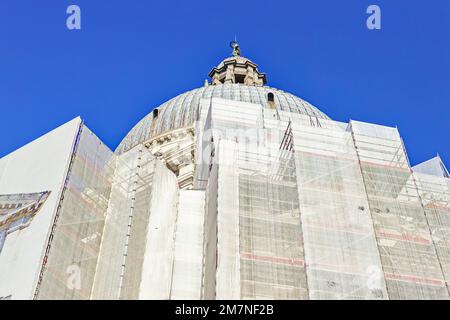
(409,258)
(70,261)
(281,206)
(434,193)
(137,251)
(342,258)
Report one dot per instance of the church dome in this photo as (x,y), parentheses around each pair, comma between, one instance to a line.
(235,78)
(182,110)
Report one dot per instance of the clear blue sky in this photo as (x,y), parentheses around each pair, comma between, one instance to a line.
(132,55)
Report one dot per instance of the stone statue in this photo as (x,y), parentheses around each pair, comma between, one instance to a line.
(236,49)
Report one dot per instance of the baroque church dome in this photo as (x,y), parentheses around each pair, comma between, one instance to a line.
(235,78)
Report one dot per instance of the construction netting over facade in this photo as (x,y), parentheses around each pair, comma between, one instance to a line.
(71,254)
(409,256)
(282,205)
(278,205)
(311,208)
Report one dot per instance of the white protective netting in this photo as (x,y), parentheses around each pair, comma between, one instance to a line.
(434,192)
(410,263)
(137,251)
(188,255)
(341,252)
(259,237)
(70,263)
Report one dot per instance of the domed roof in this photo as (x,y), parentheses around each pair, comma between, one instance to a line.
(182,110)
